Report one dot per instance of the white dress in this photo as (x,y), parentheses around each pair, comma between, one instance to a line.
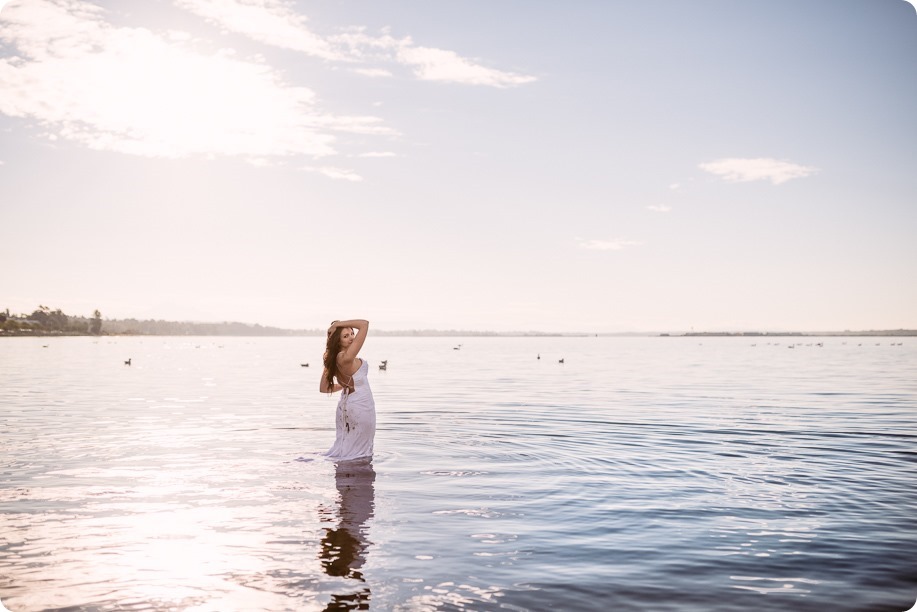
(355,421)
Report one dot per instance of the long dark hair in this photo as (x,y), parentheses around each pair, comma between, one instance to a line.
(330,359)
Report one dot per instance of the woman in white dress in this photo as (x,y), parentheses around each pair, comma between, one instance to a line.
(355,421)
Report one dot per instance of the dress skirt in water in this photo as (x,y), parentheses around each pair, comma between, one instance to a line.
(355,422)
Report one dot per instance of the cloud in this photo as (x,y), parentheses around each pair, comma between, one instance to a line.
(129,90)
(335,173)
(440,65)
(607,245)
(373,72)
(274,22)
(759,169)
(267,21)
(660,208)
(378,154)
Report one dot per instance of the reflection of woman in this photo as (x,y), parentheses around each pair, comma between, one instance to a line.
(355,420)
(344,548)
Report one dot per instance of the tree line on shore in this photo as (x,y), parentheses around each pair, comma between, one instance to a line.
(46,322)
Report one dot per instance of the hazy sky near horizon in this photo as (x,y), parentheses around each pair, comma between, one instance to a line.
(518,165)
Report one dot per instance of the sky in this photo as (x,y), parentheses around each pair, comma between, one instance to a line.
(590,166)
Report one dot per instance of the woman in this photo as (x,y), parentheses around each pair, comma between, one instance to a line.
(355,421)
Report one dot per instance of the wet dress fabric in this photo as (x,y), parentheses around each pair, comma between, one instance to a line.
(355,421)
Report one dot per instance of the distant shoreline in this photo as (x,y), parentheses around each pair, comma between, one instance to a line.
(826,334)
(44,322)
(245,330)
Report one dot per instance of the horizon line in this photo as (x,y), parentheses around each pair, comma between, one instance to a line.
(428,331)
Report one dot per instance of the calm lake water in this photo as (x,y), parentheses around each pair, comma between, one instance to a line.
(641,474)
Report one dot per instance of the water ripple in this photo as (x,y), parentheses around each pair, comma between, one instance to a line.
(644,473)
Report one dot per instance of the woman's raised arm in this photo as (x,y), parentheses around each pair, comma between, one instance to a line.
(362,327)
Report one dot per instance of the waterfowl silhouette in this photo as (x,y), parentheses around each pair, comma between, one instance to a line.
(128,362)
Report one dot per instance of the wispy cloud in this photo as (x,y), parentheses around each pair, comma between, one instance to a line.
(274,22)
(130,90)
(441,65)
(757,169)
(331,172)
(267,21)
(659,208)
(373,72)
(378,154)
(607,245)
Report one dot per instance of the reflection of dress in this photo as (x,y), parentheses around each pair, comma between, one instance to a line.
(344,548)
(355,422)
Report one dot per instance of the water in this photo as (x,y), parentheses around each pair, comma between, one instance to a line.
(641,474)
